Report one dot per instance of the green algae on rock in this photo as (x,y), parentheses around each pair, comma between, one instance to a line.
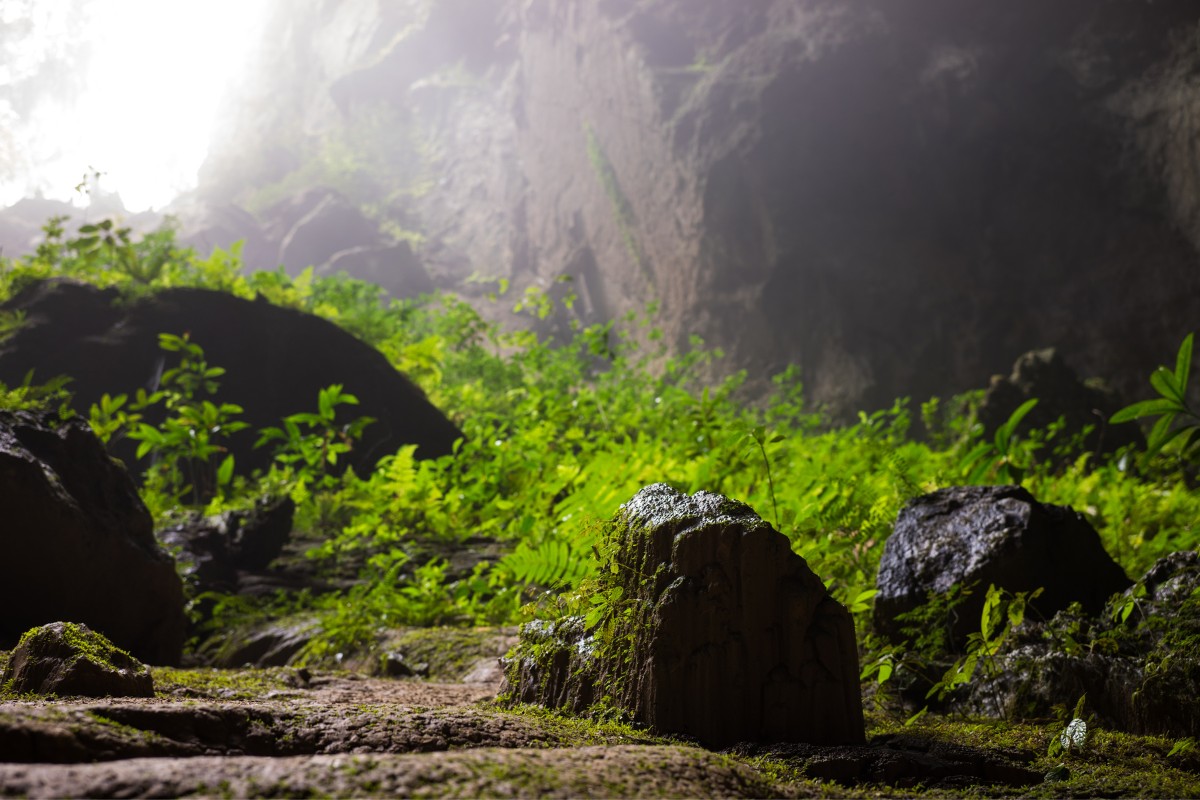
(65,658)
(704,623)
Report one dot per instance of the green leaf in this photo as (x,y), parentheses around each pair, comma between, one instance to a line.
(1161,435)
(1004,432)
(1145,408)
(225,471)
(1183,362)
(1163,381)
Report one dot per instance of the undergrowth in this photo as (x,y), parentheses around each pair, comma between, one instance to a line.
(560,430)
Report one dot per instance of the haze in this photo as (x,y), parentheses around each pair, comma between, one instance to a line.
(126,87)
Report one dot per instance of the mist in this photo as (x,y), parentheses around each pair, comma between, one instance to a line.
(899,198)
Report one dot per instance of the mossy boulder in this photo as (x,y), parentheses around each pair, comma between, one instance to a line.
(1137,662)
(702,622)
(65,658)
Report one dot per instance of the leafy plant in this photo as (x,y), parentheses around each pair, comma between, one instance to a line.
(1003,611)
(309,444)
(1171,406)
(28,396)
(1002,459)
(188,445)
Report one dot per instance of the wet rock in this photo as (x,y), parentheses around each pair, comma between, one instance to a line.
(984,535)
(714,629)
(78,542)
(276,362)
(1046,376)
(64,658)
(217,547)
(1140,674)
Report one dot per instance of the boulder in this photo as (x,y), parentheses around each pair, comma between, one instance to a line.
(276,360)
(65,658)
(216,548)
(78,542)
(1046,376)
(713,629)
(1140,675)
(975,536)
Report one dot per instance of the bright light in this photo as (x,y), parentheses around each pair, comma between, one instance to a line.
(157,73)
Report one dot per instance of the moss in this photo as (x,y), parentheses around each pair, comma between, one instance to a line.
(1111,764)
(220,684)
(450,652)
(89,644)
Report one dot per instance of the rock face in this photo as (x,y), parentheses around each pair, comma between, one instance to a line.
(276,360)
(715,629)
(897,195)
(78,543)
(1045,375)
(981,535)
(64,658)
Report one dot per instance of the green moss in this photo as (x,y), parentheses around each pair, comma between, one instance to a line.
(89,644)
(450,652)
(1111,764)
(220,684)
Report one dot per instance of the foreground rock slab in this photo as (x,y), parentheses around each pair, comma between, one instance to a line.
(710,626)
(979,535)
(68,659)
(78,542)
(616,771)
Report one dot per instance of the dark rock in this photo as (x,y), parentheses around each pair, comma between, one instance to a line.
(394,267)
(64,658)
(904,761)
(1141,675)
(991,535)
(719,631)
(272,646)
(395,665)
(220,545)
(276,360)
(1045,375)
(78,542)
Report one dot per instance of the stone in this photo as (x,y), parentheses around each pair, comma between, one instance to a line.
(78,542)
(1139,675)
(276,361)
(216,548)
(1046,376)
(716,630)
(68,659)
(976,536)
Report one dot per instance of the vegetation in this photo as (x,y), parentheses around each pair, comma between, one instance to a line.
(558,431)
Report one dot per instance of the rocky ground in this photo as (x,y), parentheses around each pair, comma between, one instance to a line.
(288,732)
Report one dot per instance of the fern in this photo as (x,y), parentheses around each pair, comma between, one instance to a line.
(551,563)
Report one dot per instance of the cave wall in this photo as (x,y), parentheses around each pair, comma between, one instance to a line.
(900,196)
